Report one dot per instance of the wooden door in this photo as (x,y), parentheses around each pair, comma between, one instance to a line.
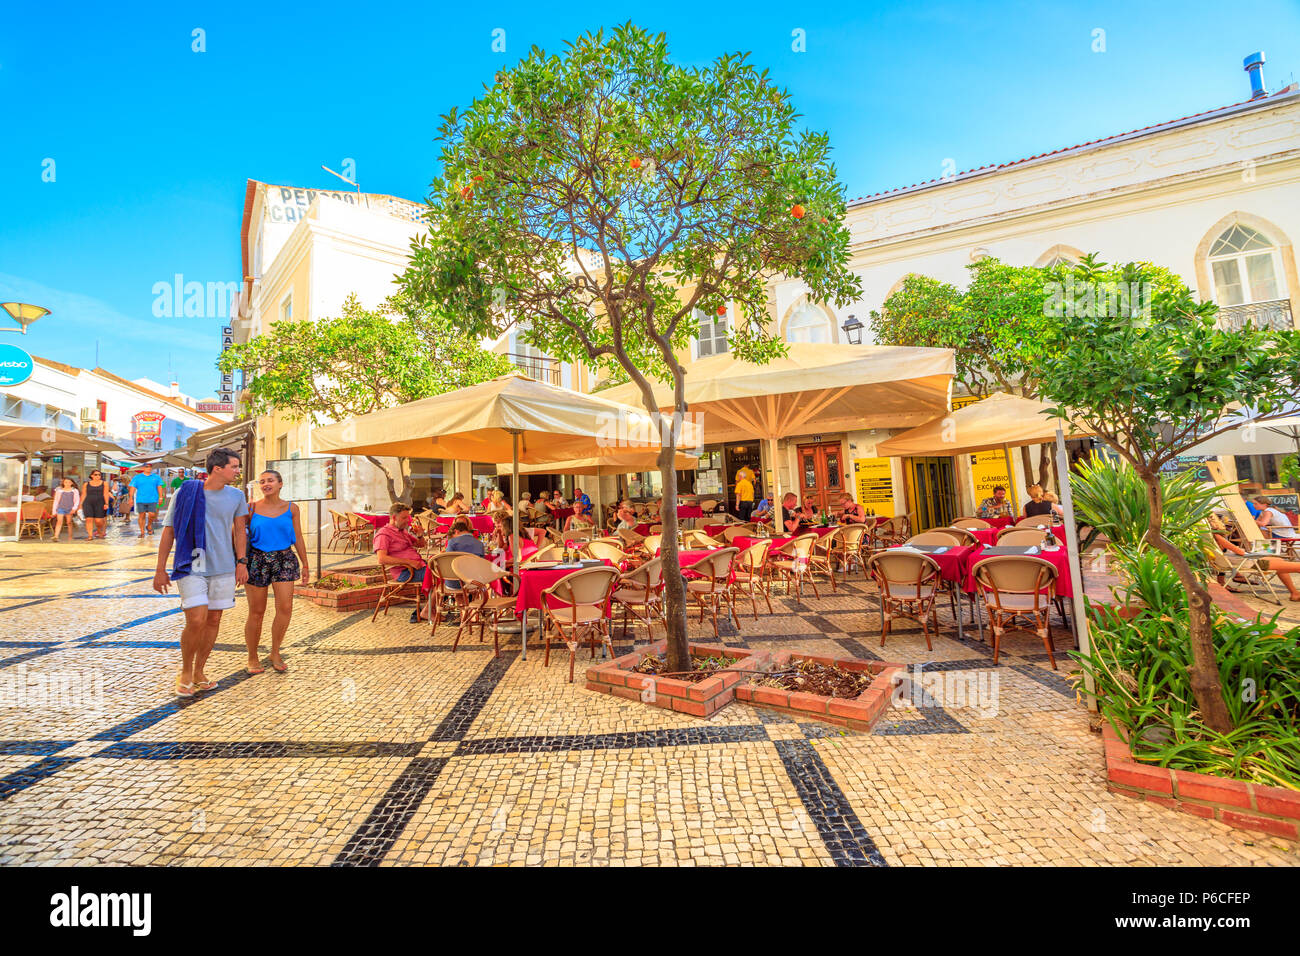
(821,474)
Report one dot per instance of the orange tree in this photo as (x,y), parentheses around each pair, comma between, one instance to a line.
(603,200)
(1154,382)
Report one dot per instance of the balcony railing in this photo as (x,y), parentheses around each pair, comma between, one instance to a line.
(536,366)
(1265,315)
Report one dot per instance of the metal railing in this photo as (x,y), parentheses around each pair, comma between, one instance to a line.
(536,366)
(1270,315)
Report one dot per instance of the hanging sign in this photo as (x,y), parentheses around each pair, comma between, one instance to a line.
(875,479)
(16,365)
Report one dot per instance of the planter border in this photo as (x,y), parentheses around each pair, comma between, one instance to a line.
(1238,803)
(699,699)
(858,713)
(346,599)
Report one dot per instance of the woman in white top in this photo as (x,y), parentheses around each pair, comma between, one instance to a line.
(1270,517)
(67,499)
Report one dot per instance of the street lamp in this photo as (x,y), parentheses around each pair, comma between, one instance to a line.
(853,329)
(23,313)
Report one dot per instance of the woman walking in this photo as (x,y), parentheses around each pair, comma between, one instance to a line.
(67,499)
(94,504)
(274,534)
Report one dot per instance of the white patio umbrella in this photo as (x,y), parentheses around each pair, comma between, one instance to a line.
(512,416)
(816,387)
(29,440)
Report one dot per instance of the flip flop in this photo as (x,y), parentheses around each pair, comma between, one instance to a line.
(282,669)
(206,685)
(251,672)
(181,690)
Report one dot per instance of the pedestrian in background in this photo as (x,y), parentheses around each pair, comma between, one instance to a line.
(67,499)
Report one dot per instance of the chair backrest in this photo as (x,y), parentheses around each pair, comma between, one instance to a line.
(471,569)
(443,565)
(753,558)
(340,520)
(359,523)
(732,532)
(708,505)
(717,565)
(894,527)
(850,536)
(698,539)
(656,529)
(1013,574)
(33,509)
(590,586)
(651,542)
(630,538)
(1021,537)
(936,536)
(963,535)
(896,567)
(647,576)
(609,552)
(801,546)
(1035,521)
(547,553)
(971,523)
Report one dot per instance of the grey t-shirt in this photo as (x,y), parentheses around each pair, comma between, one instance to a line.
(220,509)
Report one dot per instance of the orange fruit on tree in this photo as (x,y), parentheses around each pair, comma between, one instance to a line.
(797,211)
(635,162)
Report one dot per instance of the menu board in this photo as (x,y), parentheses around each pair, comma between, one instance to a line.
(875,478)
(306,479)
(708,482)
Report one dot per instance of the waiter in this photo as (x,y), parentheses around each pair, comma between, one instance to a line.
(745,492)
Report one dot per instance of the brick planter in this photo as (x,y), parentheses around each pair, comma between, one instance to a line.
(358,575)
(859,713)
(348,599)
(699,699)
(1238,803)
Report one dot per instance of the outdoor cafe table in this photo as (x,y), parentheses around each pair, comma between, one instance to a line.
(533,581)
(377,520)
(1059,558)
(954,567)
(683,511)
(482,524)
(989,536)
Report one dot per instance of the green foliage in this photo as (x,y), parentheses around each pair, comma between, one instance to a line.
(1289,470)
(600,198)
(1113,499)
(1155,384)
(1140,668)
(359,362)
(1152,580)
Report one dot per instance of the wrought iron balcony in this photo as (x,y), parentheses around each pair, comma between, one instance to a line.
(1265,315)
(536,366)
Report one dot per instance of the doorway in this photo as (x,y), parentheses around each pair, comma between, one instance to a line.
(932,492)
(738,457)
(821,473)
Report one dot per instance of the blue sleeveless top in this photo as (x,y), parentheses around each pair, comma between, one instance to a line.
(271,534)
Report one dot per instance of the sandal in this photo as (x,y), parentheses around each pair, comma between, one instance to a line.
(206,684)
(283,668)
(184,690)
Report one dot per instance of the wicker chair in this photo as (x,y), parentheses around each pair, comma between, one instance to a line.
(963,535)
(399,592)
(1037,521)
(938,537)
(363,532)
(792,566)
(443,570)
(586,596)
(909,583)
(608,552)
(1016,588)
(845,546)
(753,574)
(972,524)
(35,516)
(638,593)
(713,588)
(481,604)
(1021,537)
(820,560)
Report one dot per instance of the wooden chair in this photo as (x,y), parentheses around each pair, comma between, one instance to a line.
(971,524)
(342,528)
(399,592)
(35,516)
(888,533)
(732,532)
(712,588)
(631,540)
(651,543)
(638,593)
(1016,588)
(586,596)
(909,583)
(482,605)
(938,537)
(1035,521)
(547,552)
(845,547)
(963,535)
(752,573)
(698,539)
(1021,537)
(819,558)
(363,532)
(792,566)
(609,552)
(443,570)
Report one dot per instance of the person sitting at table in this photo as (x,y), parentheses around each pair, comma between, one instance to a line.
(1270,518)
(762,511)
(850,511)
(791,514)
(1037,504)
(1058,509)
(463,540)
(1282,568)
(543,511)
(438,501)
(578,496)
(580,520)
(996,506)
(397,547)
(557,499)
(497,503)
(456,506)
(626,516)
(809,512)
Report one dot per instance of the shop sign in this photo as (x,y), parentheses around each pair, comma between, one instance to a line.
(875,478)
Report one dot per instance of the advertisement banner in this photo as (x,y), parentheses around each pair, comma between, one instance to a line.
(875,479)
(988,469)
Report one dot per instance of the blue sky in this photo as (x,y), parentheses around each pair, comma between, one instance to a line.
(152,142)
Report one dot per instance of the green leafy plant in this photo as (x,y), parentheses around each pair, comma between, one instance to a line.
(1289,470)
(1141,672)
(1151,581)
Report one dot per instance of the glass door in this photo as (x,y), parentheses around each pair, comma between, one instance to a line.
(11,483)
(934,498)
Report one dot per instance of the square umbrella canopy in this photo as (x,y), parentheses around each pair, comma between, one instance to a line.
(815,387)
(618,463)
(999,421)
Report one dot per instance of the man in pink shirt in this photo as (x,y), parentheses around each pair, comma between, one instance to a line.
(396,548)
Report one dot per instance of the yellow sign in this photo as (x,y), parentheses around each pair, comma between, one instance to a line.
(988,469)
(875,485)
(962,401)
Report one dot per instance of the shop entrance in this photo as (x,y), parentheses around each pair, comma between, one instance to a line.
(821,473)
(932,492)
(738,457)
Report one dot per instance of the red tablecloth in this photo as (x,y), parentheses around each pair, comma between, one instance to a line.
(989,536)
(1059,558)
(482,524)
(561,515)
(533,581)
(742,541)
(377,520)
(954,564)
(1000,522)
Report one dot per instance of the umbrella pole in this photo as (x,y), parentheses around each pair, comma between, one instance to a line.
(1011,477)
(514,541)
(1075,563)
(778,516)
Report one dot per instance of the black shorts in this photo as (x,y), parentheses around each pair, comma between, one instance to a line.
(268,567)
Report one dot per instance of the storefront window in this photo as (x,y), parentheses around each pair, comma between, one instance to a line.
(427,476)
(484,478)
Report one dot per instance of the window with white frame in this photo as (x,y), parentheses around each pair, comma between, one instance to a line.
(286,308)
(1246,267)
(712,338)
(809,324)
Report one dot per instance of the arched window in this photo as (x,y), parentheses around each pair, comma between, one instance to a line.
(1059,255)
(1245,266)
(809,324)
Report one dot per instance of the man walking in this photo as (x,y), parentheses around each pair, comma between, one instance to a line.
(211,561)
(744,493)
(145,488)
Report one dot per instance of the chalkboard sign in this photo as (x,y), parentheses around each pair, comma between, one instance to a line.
(1283,500)
(305,479)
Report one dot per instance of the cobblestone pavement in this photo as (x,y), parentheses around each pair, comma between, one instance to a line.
(381,747)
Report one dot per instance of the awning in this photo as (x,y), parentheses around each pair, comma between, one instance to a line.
(997,421)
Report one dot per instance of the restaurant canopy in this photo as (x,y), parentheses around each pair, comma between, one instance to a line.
(997,422)
(37,439)
(619,463)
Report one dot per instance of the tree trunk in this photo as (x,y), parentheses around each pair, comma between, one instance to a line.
(1206,684)
(393,496)
(1045,466)
(678,649)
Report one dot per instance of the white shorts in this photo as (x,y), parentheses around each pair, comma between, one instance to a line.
(216,591)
